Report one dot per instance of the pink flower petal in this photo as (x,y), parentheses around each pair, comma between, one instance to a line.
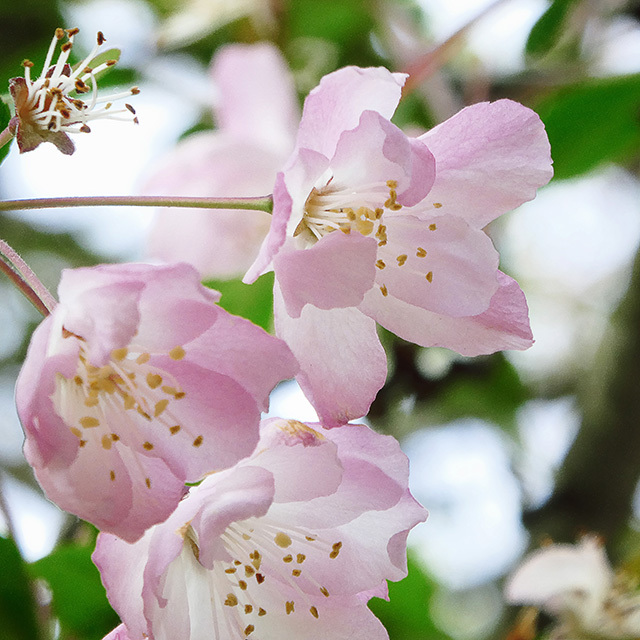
(491,158)
(342,363)
(505,325)
(257,97)
(336,272)
(337,103)
(441,264)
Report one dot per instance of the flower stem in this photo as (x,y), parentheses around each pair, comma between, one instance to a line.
(6,136)
(427,64)
(255,204)
(26,280)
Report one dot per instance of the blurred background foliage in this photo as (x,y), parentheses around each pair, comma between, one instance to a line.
(506,450)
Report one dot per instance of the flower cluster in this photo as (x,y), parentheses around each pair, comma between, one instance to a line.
(141,398)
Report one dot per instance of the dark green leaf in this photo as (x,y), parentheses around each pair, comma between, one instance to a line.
(406,616)
(17,605)
(546,32)
(591,123)
(251,301)
(5,116)
(79,599)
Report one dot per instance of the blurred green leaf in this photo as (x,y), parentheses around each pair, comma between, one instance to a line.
(348,23)
(546,32)
(251,301)
(17,606)
(406,616)
(79,600)
(592,123)
(5,116)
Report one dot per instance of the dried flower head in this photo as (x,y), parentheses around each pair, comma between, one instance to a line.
(63,99)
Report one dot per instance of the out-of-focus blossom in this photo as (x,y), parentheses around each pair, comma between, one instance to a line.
(49,108)
(290,543)
(196,19)
(136,383)
(257,115)
(371,225)
(576,584)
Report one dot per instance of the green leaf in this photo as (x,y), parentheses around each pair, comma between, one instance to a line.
(546,32)
(251,301)
(79,600)
(5,116)
(406,616)
(17,605)
(592,123)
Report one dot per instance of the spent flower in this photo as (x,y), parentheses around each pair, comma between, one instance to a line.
(63,99)
(290,542)
(576,585)
(137,383)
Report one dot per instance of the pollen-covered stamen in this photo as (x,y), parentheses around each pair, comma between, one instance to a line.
(103,404)
(52,102)
(331,208)
(269,564)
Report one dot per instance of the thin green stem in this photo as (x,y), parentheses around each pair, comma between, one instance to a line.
(6,136)
(26,280)
(254,204)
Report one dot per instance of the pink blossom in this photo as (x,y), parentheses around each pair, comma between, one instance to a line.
(410,252)
(136,383)
(257,116)
(290,542)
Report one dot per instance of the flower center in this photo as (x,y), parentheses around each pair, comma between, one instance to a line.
(271,567)
(118,401)
(48,103)
(330,209)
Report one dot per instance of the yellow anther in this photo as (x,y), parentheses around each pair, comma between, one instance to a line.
(248,608)
(385,291)
(154,380)
(402,259)
(287,559)
(282,540)
(324,591)
(262,612)
(296,572)
(160,406)
(392,184)
(380,264)
(300,558)
(231,600)
(129,401)
(91,401)
(314,612)
(289,607)
(89,422)
(143,358)
(148,446)
(437,205)
(106,442)
(147,481)
(112,475)
(242,584)
(230,570)
(173,430)
(421,253)
(76,432)
(432,226)
(119,354)
(429,276)
(335,550)
(365,227)
(198,441)
(177,353)
(249,629)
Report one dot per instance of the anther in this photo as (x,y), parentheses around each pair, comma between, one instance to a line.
(429,276)
(100,38)
(198,441)
(289,607)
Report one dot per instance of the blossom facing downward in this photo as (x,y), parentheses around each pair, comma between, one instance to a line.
(50,107)
(257,115)
(370,225)
(291,542)
(576,584)
(137,383)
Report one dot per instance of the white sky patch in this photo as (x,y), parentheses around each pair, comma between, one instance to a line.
(287,401)
(36,521)
(461,473)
